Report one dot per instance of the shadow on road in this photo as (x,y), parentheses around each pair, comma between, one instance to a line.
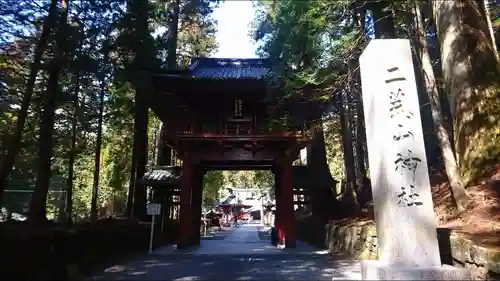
(223,267)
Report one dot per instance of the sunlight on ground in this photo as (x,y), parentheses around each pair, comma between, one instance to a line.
(242,255)
(322,252)
(115,268)
(187,278)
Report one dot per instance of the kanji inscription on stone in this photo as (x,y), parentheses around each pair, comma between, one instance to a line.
(404,215)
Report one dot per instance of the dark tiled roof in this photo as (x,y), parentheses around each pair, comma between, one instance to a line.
(161,176)
(218,68)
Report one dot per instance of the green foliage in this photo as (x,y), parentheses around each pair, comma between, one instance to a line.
(333,145)
(212,184)
(311,43)
(196,31)
(313,46)
(95,28)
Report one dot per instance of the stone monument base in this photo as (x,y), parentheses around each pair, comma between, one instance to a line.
(375,270)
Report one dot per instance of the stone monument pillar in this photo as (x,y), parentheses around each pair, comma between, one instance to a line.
(404,214)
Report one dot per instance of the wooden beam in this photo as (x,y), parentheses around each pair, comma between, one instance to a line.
(238,154)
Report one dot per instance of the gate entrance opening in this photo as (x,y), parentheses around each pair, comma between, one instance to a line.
(217,115)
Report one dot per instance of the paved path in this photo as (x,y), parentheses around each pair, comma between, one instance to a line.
(240,256)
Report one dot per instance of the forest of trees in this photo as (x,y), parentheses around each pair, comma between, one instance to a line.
(317,45)
(68,83)
(72,74)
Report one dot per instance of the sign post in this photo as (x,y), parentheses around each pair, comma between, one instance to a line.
(262,210)
(153,210)
(204,227)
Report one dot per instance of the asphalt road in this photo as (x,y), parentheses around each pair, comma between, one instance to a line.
(240,256)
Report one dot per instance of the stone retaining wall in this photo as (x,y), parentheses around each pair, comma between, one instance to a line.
(359,240)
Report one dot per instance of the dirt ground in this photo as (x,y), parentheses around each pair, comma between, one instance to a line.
(480,223)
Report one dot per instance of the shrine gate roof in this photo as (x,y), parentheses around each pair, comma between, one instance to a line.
(161,175)
(224,68)
(195,86)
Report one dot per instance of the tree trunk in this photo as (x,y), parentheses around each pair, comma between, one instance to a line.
(361,149)
(323,197)
(316,151)
(383,20)
(164,154)
(347,148)
(97,162)
(460,195)
(38,203)
(144,58)
(364,186)
(14,144)
(137,193)
(355,125)
(174,31)
(158,146)
(72,154)
(360,14)
(68,212)
(131,187)
(470,76)
(487,15)
(141,146)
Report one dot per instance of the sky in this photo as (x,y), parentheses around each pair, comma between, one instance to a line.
(234,18)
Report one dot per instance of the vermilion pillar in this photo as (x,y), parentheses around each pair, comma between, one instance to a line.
(287,207)
(185,204)
(278,219)
(196,200)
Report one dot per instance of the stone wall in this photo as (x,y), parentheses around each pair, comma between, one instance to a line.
(359,240)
